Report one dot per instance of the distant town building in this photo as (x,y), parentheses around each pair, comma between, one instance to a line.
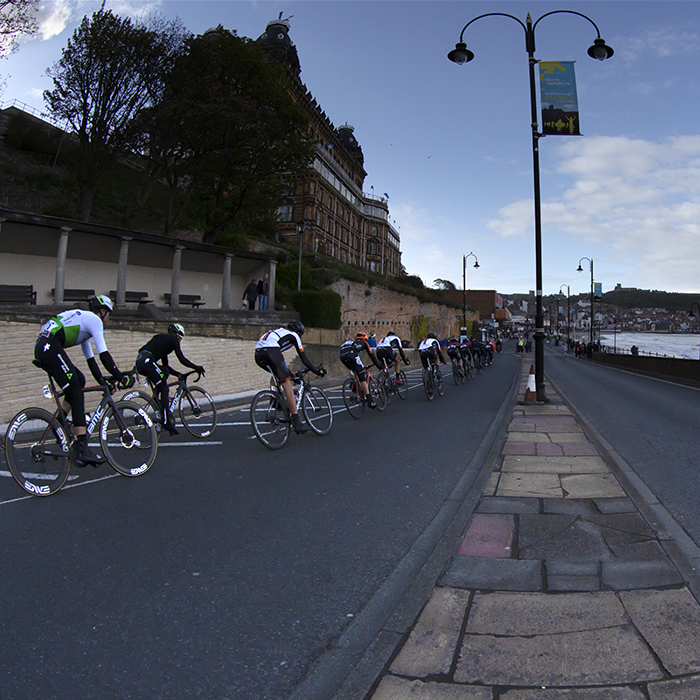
(328,207)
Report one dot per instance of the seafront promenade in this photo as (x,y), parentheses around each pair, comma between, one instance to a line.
(571,582)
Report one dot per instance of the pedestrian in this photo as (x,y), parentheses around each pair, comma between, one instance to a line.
(251,294)
(263,292)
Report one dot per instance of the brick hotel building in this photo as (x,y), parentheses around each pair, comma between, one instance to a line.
(339,219)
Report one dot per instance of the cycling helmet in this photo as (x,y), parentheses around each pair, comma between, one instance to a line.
(296,326)
(432,335)
(391,333)
(361,336)
(176,328)
(101,301)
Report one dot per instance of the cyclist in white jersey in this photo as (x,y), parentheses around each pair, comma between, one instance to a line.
(268,356)
(67,329)
(386,350)
(430,349)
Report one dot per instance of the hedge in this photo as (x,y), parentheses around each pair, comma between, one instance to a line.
(318,309)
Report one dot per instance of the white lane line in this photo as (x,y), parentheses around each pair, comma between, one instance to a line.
(190,444)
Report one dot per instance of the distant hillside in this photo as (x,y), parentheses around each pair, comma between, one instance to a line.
(650,299)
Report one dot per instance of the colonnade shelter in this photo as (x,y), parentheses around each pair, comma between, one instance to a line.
(47,260)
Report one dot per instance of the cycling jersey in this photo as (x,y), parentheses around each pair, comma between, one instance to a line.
(76,327)
(161,345)
(453,349)
(281,338)
(429,344)
(387,346)
(269,349)
(350,356)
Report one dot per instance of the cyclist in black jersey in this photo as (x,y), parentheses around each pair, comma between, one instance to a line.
(268,356)
(157,350)
(67,329)
(350,356)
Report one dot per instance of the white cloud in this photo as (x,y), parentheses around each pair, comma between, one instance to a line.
(662,42)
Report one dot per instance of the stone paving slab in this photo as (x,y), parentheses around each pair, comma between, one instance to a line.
(630,575)
(620,693)
(591,486)
(432,643)
(392,688)
(670,622)
(682,689)
(488,535)
(523,614)
(494,504)
(556,465)
(483,573)
(610,656)
(530,485)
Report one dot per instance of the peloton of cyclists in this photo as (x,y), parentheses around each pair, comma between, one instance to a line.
(157,350)
(429,349)
(386,350)
(350,352)
(268,356)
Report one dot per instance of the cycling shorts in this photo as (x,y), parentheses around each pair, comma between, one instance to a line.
(426,355)
(454,352)
(354,364)
(272,360)
(386,353)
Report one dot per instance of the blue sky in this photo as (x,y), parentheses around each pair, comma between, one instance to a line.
(451,145)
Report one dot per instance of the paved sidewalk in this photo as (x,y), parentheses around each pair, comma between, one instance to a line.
(560,590)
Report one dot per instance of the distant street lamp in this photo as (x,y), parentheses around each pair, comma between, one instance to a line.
(460,55)
(568,312)
(692,315)
(580,269)
(301,227)
(464,285)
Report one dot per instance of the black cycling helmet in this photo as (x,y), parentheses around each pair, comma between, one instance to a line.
(176,328)
(101,301)
(296,326)
(432,335)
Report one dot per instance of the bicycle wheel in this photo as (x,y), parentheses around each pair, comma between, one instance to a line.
(376,391)
(130,448)
(317,410)
(455,372)
(37,450)
(351,399)
(439,384)
(148,403)
(402,389)
(384,380)
(270,419)
(468,369)
(197,411)
(428,384)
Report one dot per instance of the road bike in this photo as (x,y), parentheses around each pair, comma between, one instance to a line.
(432,380)
(354,398)
(41,448)
(458,373)
(271,418)
(387,378)
(194,405)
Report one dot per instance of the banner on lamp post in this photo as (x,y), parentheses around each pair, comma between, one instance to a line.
(597,291)
(558,98)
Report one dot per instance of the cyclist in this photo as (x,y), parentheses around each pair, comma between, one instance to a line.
(268,356)
(386,350)
(67,329)
(157,350)
(453,350)
(465,350)
(429,349)
(350,356)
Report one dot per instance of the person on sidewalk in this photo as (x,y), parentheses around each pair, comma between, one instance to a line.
(263,292)
(157,350)
(251,294)
(350,352)
(67,329)
(268,356)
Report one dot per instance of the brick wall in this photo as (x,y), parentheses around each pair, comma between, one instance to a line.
(229,362)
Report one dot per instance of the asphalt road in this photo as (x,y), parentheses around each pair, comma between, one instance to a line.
(652,424)
(228,569)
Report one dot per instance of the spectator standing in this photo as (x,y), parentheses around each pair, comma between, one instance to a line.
(251,294)
(263,292)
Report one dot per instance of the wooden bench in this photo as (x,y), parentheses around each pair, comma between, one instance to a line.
(17,294)
(193,300)
(75,294)
(132,297)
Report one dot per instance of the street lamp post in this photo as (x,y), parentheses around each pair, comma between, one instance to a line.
(460,55)
(692,315)
(580,269)
(301,227)
(464,286)
(568,313)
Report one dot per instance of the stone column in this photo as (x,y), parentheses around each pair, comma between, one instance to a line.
(226,282)
(61,265)
(175,284)
(272,273)
(121,273)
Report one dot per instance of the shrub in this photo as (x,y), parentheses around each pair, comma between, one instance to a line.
(318,309)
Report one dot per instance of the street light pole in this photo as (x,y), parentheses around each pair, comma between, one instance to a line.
(301,227)
(580,269)
(464,286)
(460,55)
(568,313)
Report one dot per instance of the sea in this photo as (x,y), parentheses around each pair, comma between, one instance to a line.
(683,345)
